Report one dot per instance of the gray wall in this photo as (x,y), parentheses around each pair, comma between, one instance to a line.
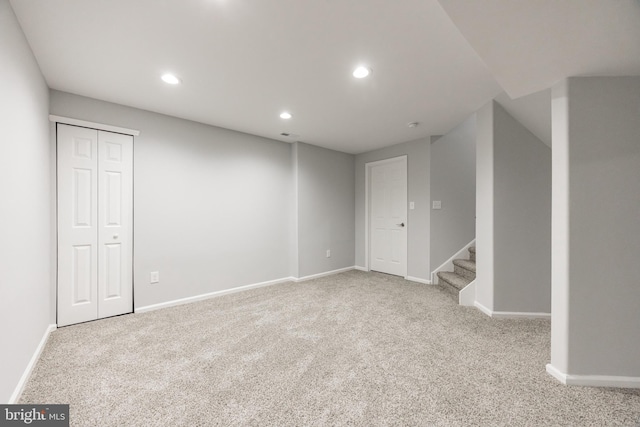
(453,182)
(522,215)
(326,209)
(596,242)
(417,153)
(25,196)
(513,215)
(212,207)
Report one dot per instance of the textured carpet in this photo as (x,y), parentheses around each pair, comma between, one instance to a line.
(356,348)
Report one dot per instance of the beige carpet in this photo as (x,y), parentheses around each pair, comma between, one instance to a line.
(357,348)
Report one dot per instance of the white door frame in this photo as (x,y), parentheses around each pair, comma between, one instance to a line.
(367,209)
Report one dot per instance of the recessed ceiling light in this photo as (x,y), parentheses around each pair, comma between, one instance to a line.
(361,72)
(170,79)
(285,115)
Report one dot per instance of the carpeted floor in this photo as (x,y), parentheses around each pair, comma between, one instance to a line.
(356,348)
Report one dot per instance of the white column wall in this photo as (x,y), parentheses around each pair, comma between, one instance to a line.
(596,275)
(484,206)
(560,228)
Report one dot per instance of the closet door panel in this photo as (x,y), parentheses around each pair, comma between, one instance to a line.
(115,224)
(77,174)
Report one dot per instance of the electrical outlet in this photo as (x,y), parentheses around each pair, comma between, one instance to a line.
(328,253)
(437,204)
(155,276)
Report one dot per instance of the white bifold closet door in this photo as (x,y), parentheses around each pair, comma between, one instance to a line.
(95,224)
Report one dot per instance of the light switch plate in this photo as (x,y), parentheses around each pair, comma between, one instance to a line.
(154,277)
(412,205)
(437,204)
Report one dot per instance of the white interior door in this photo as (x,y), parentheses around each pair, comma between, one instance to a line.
(388,216)
(95,224)
(115,221)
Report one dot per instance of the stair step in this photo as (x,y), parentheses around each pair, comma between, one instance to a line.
(466,264)
(472,253)
(465,268)
(452,279)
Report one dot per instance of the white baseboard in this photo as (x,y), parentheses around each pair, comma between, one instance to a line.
(520,315)
(593,380)
(418,280)
(326,273)
(211,295)
(237,289)
(511,314)
(483,309)
(410,278)
(32,363)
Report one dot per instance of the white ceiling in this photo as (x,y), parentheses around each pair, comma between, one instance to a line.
(531,45)
(242,62)
(245,61)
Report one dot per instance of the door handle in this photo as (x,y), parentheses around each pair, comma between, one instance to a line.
(401,224)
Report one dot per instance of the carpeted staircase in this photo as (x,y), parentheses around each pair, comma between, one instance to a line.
(464,272)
